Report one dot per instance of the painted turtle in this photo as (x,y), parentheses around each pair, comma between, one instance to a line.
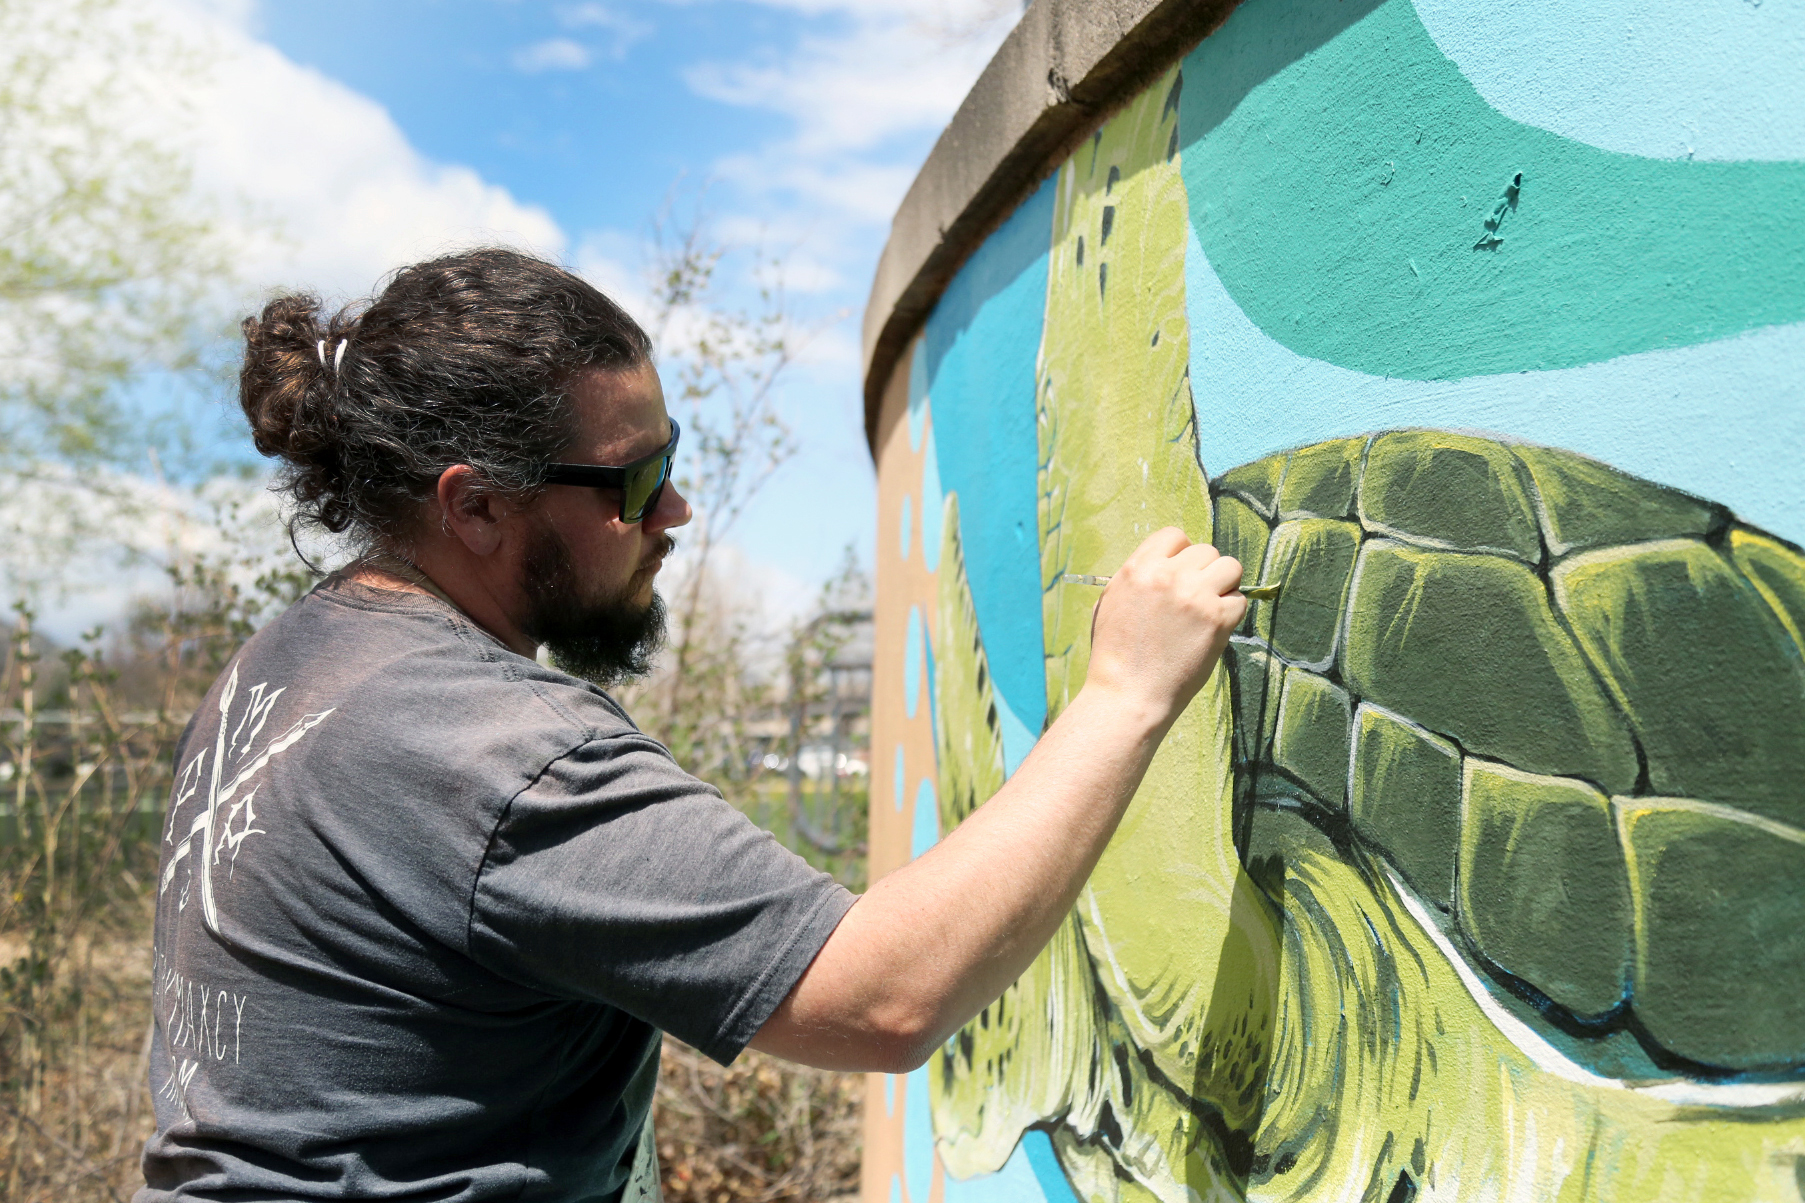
(1565,704)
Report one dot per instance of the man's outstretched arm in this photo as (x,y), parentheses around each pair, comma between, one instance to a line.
(933,943)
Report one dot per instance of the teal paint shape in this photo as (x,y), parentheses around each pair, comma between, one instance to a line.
(927,646)
(933,507)
(1022,1179)
(980,350)
(925,831)
(1037,1147)
(1018,741)
(918,1137)
(1669,79)
(1341,173)
(1739,404)
(918,657)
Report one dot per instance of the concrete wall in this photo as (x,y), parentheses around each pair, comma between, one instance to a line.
(1478,871)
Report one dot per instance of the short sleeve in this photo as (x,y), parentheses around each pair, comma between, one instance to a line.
(618,878)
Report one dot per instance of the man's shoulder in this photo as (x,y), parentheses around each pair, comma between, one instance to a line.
(407,669)
(381,724)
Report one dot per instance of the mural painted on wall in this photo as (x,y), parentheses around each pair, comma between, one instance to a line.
(1478,871)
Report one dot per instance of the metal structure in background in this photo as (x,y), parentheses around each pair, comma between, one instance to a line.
(830,687)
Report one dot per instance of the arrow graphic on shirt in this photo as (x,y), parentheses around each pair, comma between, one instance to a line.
(213,837)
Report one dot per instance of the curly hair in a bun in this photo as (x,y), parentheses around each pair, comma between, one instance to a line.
(463,359)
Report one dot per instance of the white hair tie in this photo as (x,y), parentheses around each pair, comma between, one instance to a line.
(338,353)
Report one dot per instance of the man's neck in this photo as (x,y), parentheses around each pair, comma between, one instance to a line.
(386,570)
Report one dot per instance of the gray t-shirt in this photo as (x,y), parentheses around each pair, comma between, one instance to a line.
(424,908)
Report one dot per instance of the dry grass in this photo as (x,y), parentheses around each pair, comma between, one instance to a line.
(78,1111)
(78,848)
(760,1131)
(85,768)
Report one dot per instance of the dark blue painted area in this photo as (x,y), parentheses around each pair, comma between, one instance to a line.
(981,345)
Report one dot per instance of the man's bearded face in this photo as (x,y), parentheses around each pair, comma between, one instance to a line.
(606,639)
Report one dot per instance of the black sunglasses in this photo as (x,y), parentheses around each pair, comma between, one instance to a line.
(641,482)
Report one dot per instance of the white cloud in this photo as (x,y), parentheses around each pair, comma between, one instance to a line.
(605,259)
(553,54)
(863,91)
(316,187)
(626,29)
(326,169)
(129,529)
(851,187)
(849,92)
(866,88)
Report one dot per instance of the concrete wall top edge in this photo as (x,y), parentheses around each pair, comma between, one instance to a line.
(1057,73)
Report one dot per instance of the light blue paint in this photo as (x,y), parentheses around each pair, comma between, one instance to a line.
(1038,1147)
(918,1137)
(1667,79)
(926,827)
(1019,1180)
(896,1195)
(889,1095)
(981,346)
(933,694)
(918,396)
(1018,741)
(933,506)
(912,649)
(901,782)
(1345,178)
(908,523)
(1724,420)
(1031,1175)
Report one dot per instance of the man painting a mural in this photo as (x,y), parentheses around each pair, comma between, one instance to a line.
(1480,872)
(1472,335)
(426,905)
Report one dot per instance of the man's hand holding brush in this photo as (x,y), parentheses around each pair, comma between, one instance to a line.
(937,940)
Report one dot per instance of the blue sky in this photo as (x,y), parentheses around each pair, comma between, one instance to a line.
(371,135)
(590,118)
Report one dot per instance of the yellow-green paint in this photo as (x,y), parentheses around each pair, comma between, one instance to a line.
(1473,873)
(1281,1020)
(1113,372)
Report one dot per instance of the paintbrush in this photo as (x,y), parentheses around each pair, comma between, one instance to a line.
(1251,592)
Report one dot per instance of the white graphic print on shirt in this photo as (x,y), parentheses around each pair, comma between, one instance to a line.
(216,838)
(199,1022)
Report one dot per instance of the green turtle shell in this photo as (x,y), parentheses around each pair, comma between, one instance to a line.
(1565,705)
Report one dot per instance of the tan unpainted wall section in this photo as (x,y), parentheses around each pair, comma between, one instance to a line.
(903,582)
(1056,76)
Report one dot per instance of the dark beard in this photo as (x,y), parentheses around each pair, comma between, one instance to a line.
(606,640)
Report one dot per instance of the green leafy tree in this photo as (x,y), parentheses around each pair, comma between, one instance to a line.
(724,367)
(112,270)
(109,266)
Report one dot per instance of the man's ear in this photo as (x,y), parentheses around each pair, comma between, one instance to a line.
(471,512)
